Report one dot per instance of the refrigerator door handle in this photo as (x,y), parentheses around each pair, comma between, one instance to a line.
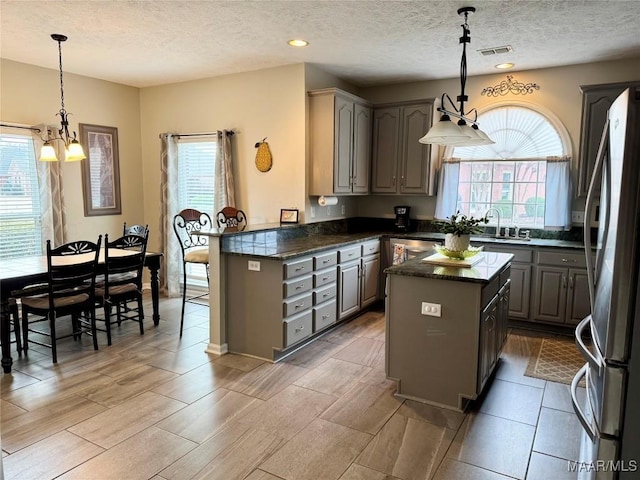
(597,170)
(597,362)
(588,427)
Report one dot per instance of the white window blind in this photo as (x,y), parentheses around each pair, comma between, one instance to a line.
(20,210)
(196,173)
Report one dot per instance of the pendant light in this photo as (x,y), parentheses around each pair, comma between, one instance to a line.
(466,131)
(73,149)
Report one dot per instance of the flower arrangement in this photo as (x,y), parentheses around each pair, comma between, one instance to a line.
(460,224)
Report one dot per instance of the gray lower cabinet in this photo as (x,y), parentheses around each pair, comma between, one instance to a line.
(487,352)
(272,310)
(561,293)
(358,277)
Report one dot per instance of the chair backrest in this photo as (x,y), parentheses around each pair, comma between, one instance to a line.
(124,261)
(141,230)
(231,217)
(186,223)
(71,269)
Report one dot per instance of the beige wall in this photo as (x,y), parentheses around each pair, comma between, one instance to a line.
(30,95)
(267,103)
(559,93)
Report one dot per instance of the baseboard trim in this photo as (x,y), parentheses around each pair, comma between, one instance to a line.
(217,349)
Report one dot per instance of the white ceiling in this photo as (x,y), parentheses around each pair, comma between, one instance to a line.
(370,42)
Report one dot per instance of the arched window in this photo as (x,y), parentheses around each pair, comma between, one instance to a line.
(513,175)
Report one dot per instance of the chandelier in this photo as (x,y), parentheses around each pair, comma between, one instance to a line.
(466,132)
(73,149)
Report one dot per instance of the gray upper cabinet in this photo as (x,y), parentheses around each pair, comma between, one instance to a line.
(400,164)
(596,100)
(340,135)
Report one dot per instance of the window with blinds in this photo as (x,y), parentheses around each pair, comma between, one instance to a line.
(20,209)
(197,185)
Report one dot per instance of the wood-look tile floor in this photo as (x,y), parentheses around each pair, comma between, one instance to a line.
(159,407)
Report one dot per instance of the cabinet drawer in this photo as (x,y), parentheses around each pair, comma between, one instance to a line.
(347,254)
(325,260)
(324,277)
(297,285)
(369,248)
(325,293)
(297,304)
(324,315)
(298,267)
(297,328)
(562,259)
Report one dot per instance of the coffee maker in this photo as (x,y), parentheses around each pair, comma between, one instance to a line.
(403,223)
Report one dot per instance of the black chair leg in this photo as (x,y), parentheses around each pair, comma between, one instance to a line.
(140,315)
(16,325)
(25,331)
(107,321)
(184,295)
(94,330)
(52,326)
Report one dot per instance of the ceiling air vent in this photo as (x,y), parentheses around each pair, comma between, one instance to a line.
(496,50)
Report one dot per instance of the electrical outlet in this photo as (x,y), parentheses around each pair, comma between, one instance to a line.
(577,217)
(431,309)
(343,209)
(313,212)
(328,211)
(254,265)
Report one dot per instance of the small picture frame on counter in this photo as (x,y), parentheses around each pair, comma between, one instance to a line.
(289,215)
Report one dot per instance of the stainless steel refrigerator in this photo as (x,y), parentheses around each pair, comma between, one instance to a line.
(610,414)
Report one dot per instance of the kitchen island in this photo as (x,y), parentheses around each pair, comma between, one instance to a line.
(445,327)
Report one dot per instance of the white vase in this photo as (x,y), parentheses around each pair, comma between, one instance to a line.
(456,243)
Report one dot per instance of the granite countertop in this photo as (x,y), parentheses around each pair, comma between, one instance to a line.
(482,272)
(266,244)
(534,242)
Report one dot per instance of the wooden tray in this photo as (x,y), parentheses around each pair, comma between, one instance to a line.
(438,259)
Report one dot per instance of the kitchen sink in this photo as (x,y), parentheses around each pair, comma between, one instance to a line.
(501,238)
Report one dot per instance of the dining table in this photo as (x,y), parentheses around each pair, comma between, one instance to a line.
(18,273)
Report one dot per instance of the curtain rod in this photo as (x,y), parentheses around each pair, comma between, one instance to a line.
(206,134)
(33,129)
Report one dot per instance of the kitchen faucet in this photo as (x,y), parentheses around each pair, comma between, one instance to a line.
(494,209)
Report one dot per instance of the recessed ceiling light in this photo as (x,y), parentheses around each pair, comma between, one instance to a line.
(505,66)
(298,43)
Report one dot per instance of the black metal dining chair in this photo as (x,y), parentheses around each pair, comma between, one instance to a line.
(141,230)
(122,281)
(231,218)
(71,272)
(193,247)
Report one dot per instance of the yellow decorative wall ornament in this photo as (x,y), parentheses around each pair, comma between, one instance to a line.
(264,161)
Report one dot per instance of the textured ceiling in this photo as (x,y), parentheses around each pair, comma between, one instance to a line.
(371,42)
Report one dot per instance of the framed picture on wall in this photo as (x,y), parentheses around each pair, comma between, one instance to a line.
(100,170)
(288,215)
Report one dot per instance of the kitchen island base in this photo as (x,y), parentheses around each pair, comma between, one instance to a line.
(445,360)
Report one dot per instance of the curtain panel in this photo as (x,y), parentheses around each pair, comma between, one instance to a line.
(447,198)
(558,194)
(54,225)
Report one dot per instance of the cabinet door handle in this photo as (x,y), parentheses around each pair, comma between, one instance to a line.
(299,268)
(564,281)
(299,329)
(326,260)
(300,305)
(325,278)
(298,287)
(570,281)
(393,180)
(325,295)
(326,315)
